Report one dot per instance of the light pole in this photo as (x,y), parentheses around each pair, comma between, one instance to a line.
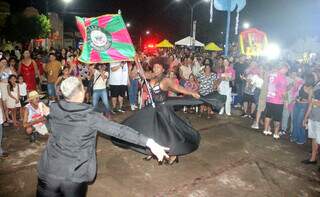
(66,2)
(192,6)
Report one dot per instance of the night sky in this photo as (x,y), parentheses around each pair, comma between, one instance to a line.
(283,20)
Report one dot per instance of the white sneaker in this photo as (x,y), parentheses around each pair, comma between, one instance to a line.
(255,126)
(184,109)
(221,111)
(276,137)
(229,114)
(132,107)
(267,132)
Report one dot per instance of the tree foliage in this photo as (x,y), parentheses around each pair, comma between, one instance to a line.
(22,29)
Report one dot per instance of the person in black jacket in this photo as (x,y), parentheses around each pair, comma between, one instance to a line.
(68,162)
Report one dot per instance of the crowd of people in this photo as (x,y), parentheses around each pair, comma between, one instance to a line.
(283,93)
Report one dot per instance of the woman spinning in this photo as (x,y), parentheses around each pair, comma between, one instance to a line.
(161,122)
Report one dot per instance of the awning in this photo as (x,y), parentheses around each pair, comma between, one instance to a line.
(164,44)
(188,41)
(212,47)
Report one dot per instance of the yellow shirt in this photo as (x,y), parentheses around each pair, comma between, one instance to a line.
(53,69)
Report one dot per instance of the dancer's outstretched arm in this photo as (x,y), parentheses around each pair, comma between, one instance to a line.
(107,127)
(168,84)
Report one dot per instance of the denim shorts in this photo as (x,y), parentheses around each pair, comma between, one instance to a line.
(51,89)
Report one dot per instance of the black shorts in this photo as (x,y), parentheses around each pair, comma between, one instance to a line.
(86,83)
(248,98)
(23,100)
(274,111)
(118,90)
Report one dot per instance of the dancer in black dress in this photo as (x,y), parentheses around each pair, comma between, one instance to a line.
(161,122)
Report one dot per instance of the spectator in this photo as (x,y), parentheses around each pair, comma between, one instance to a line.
(5,72)
(262,97)
(73,66)
(119,80)
(2,152)
(23,94)
(295,83)
(302,102)
(33,117)
(251,92)
(184,70)
(134,85)
(224,87)
(52,70)
(312,122)
(40,64)
(191,85)
(100,78)
(13,66)
(63,76)
(240,68)
(207,82)
(13,100)
(29,70)
(85,77)
(196,67)
(275,97)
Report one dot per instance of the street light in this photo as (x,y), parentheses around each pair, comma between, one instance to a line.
(246,25)
(147,32)
(192,6)
(128,25)
(67,1)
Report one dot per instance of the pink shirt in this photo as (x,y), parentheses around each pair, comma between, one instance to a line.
(277,88)
(229,71)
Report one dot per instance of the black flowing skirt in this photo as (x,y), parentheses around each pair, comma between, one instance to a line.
(164,126)
(168,129)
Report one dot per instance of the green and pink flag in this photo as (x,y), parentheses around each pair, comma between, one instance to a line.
(105,39)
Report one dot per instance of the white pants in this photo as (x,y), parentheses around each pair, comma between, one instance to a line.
(225,89)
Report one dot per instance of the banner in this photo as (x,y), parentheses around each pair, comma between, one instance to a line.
(253,42)
(105,39)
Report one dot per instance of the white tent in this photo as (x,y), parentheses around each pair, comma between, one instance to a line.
(188,42)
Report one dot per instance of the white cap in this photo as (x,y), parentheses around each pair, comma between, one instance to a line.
(69,85)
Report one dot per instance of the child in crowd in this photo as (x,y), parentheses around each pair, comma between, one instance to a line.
(13,102)
(22,94)
(65,73)
(191,85)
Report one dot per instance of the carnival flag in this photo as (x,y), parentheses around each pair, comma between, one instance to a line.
(105,39)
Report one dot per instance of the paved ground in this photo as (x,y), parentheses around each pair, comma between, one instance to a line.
(233,160)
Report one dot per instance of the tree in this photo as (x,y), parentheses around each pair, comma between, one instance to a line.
(4,12)
(22,29)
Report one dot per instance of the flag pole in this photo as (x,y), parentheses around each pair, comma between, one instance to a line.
(142,74)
